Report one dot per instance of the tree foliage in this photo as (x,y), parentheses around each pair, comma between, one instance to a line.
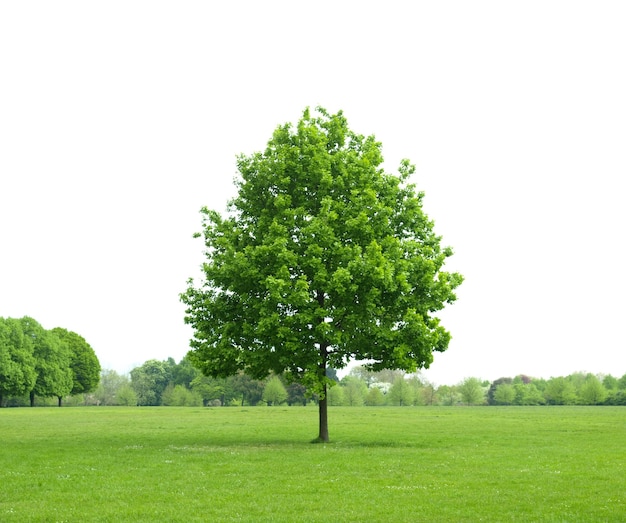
(149,381)
(17,362)
(83,361)
(322,258)
(471,391)
(274,392)
(52,362)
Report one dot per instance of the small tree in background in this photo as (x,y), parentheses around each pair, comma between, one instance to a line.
(560,391)
(471,391)
(374,397)
(274,392)
(504,394)
(592,391)
(400,392)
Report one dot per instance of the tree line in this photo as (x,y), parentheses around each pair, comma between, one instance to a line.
(40,363)
(167,383)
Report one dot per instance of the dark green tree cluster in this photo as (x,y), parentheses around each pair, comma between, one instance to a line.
(181,384)
(35,362)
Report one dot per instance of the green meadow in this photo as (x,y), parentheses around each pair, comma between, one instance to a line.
(389,464)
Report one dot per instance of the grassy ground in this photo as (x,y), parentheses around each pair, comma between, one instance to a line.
(255,464)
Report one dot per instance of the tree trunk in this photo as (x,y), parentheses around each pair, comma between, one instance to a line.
(32,399)
(323,406)
(60,398)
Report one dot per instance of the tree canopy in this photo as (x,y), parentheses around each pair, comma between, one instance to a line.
(322,258)
(44,363)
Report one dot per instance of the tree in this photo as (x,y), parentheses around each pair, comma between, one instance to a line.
(527,394)
(375,397)
(274,392)
(149,381)
(592,391)
(126,396)
(504,394)
(180,396)
(322,258)
(251,390)
(83,361)
(52,362)
(17,364)
(335,396)
(354,391)
(492,389)
(428,394)
(471,391)
(610,382)
(400,392)
(560,391)
(110,384)
(296,394)
(184,373)
(449,395)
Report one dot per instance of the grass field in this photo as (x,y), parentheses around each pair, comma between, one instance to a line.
(255,464)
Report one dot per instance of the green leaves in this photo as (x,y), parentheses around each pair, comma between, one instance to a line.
(322,257)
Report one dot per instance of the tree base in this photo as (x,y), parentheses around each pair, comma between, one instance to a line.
(319,440)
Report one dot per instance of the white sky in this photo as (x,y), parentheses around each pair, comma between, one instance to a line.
(120,119)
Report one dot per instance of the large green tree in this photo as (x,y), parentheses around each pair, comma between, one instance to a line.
(52,362)
(322,258)
(149,381)
(83,361)
(17,364)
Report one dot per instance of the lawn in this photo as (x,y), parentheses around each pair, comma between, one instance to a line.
(431,464)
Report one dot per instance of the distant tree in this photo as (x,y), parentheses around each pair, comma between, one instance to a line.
(126,396)
(331,374)
(616,397)
(210,389)
(471,391)
(184,373)
(363,373)
(374,397)
(83,361)
(354,391)
(428,394)
(449,395)
(504,394)
(388,375)
(110,383)
(335,396)
(296,394)
(180,396)
(416,385)
(400,392)
(621,383)
(527,394)
(592,391)
(149,381)
(274,392)
(251,390)
(610,382)
(324,258)
(52,362)
(560,391)
(492,389)
(17,363)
